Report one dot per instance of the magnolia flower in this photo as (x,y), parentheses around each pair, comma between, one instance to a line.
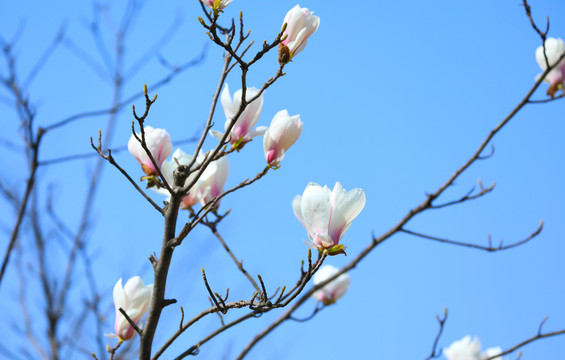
(467,349)
(168,168)
(159,144)
(216,4)
(554,48)
(327,215)
(242,130)
(335,289)
(300,24)
(213,180)
(134,299)
(281,135)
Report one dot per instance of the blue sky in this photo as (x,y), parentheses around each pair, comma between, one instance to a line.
(394,97)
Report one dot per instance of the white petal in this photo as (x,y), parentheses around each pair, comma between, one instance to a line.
(316,207)
(120,299)
(346,209)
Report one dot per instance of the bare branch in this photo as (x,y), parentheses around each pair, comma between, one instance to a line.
(475,246)
(441,321)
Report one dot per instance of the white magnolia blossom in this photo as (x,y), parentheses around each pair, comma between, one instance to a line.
(469,349)
(213,180)
(335,289)
(159,144)
(327,215)
(216,4)
(554,49)
(181,158)
(243,130)
(300,24)
(134,298)
(281,135)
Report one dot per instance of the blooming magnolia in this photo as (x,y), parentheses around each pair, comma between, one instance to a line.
(213,180)
(168,168)
(216,4)
(281,135)
(159,144)
(327,215)
(134,298)
(333,290)
(243,130)
(554,49)
(300,24)
(467,349)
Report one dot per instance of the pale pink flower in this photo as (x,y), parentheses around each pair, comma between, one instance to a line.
(281,135)
(167,169)
(327,215)
(134,298)
(469,349)
(216,4)
(554,48)
(301,23)
(213,180)
(333,290)
(243,130)
(159,144)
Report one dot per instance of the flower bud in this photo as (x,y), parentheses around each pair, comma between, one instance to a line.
(554,49)
(159,144)
(281,135)
(333,290)
(134,298)
(216,4)
(242,131)
(300,25)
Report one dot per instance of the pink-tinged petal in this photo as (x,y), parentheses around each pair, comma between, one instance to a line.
(326,214)
(134,298)
(301,24)
(345,211)
(280,136)
(213,180)
(158,142)
(247,119)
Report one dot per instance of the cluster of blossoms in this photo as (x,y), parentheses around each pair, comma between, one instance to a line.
(554,50)
(467,349)
(325,214)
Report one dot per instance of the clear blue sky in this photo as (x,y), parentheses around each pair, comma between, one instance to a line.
(394,97)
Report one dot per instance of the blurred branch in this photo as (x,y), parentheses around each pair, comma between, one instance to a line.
(119,106)
(538,336)
(112,161)
(441,321)
(115,150)
(32,138)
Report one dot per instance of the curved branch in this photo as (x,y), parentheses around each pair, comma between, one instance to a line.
(475,246)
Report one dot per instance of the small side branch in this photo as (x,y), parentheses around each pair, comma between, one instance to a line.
(441,320)
(538,336)
(469,196)
(489,248)
(112,161)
